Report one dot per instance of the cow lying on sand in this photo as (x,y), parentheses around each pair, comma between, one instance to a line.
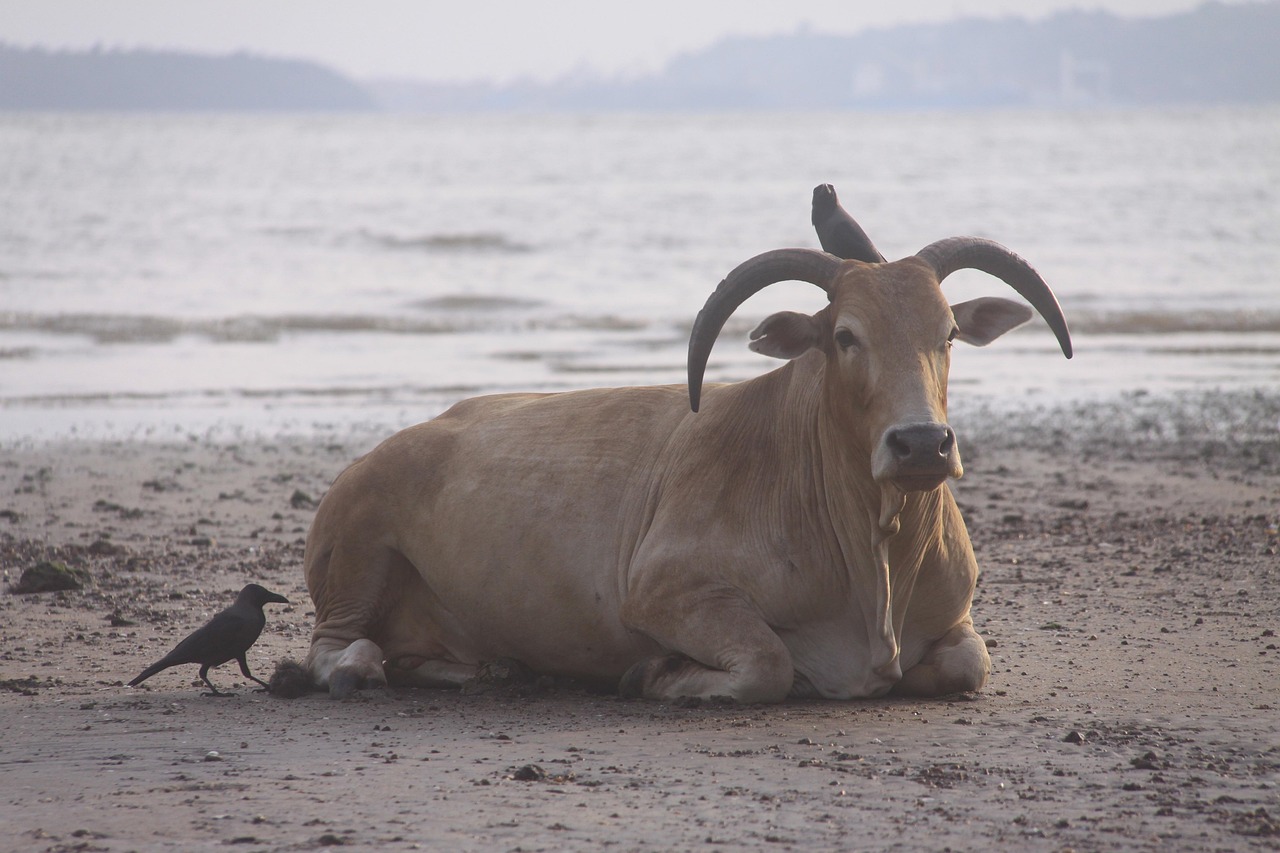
(791,535)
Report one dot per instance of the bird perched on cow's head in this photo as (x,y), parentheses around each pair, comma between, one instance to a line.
(885,335)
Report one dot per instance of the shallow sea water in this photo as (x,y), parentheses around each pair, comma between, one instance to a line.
(165,275)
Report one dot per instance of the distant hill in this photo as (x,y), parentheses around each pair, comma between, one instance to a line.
(38,79)
(1215,54)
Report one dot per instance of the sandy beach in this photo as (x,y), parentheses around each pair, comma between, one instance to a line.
(1130,594)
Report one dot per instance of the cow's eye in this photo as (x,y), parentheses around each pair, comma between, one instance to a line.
(846,338)
(954,331)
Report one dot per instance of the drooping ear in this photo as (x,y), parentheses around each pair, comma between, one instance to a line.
(785,335)
(983,320)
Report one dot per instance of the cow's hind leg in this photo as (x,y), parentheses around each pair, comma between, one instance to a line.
(722,648)
(350,588)
(374,625)
(956,663)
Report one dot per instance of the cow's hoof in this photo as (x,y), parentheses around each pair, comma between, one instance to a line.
(343,683)
(643,674)
(632,684)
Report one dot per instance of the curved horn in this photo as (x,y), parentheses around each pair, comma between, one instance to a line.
(746,280)
(958,253)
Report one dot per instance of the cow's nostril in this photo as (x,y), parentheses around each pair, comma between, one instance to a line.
(899,448)
(948,443)
(918,444)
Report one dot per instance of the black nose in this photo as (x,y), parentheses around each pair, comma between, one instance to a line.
(921,443)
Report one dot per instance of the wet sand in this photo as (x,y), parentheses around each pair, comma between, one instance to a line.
(1131,592)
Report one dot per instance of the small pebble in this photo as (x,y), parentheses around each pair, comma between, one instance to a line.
(529,773)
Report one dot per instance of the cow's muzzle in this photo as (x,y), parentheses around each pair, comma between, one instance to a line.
(917,457)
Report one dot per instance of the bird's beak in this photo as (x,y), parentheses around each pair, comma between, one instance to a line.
(278,599)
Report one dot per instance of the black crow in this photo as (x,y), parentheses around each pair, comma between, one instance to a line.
(837,231)
(227,636)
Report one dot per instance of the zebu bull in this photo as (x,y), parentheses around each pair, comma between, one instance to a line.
(790,536)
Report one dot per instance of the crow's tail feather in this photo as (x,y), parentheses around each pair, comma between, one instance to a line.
(148,672)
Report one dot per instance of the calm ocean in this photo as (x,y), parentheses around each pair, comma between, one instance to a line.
(190,275)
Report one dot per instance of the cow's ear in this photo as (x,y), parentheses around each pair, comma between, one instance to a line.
(785,335)
(983,320)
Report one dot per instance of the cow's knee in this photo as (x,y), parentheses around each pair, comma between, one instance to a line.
(957,663)
(767,676)
(344,670)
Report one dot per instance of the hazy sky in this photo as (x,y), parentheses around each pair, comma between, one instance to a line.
(474,39)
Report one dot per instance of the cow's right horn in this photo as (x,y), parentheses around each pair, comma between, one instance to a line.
(976,253)
(746,280)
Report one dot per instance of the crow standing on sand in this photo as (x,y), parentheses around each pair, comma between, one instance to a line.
(227,636)
(837,231)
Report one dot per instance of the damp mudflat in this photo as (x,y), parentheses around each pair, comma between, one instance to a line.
(1130,596)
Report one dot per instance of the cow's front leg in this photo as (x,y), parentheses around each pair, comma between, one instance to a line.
(720,647)
(958,662)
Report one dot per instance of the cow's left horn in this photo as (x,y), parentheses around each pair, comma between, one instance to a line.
(958,253)
(746,280)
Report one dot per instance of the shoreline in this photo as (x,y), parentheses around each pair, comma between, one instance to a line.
(1131,588)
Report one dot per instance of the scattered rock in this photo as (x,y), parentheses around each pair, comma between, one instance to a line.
(1074,736)
(104,548)
(23,686)
(301,500)
(1258,823)
(529,773)
(1149,761)
(50,577)
(122,511)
